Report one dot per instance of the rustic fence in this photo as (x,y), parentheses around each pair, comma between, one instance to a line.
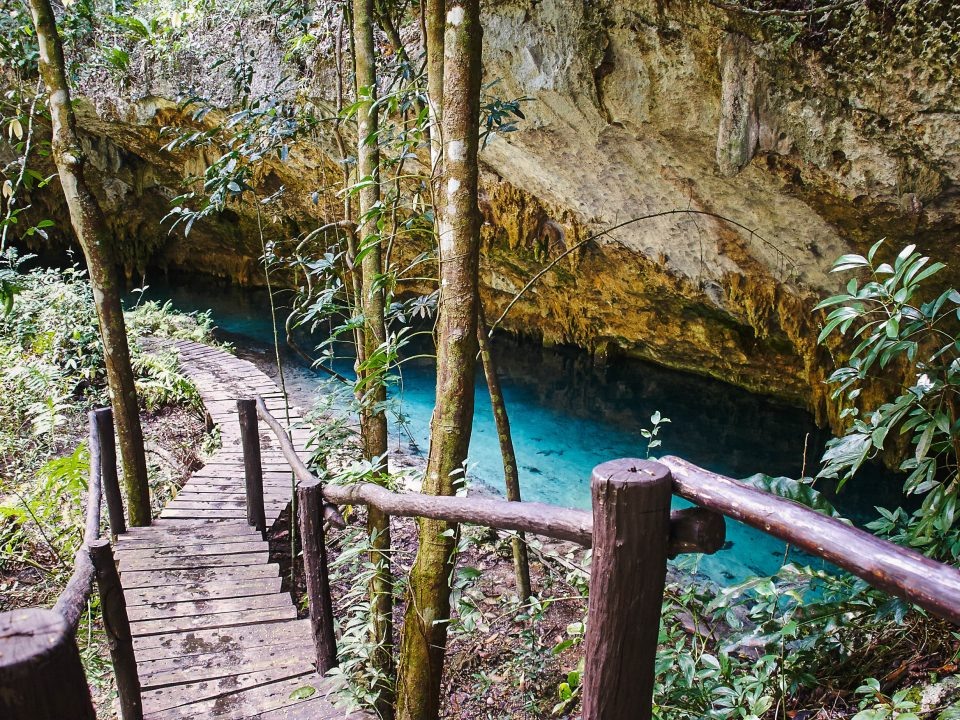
(633,532)
(41,674)
(631,528)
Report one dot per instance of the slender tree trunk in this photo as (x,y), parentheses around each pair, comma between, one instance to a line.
(435,24)
(511,477)
(90,227)
(355,291)
(428,601)
(373,418)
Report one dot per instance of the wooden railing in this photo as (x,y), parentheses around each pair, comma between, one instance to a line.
(633,532)
(631,528)
(41,674)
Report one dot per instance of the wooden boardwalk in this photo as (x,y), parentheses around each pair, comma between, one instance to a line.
(214,634)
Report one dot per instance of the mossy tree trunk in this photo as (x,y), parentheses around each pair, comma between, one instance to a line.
(90,227)
(373,418)
(434,26)
(511,478)
(428,601)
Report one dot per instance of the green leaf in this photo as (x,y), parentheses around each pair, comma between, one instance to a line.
(848,262)
(926,437)
(904,254)
(302,693)
(879,435)
(892,328)
(791,489)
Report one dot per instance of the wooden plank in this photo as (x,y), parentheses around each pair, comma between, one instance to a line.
(250,703)
(217,548)
(210,666)
(204,493)
(184,579)
(317,707)
(178,695)
(215,640)
(199,530)
(235,474)
(214,635)
(202,591)
(241,618)
(170,512)
(210,503)
(207,606)
(234,483)
(186,542)
(188,562)
(220,464)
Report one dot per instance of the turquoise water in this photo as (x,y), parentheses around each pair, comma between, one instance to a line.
(568,415)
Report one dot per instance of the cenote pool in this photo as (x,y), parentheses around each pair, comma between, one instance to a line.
(568,415)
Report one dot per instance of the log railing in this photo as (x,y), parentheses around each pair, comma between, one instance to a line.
(41,674)
(633,532)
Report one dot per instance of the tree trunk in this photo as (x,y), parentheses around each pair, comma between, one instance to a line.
(90,227)
(511,477)
(373,418)
(435,24)
(428,602)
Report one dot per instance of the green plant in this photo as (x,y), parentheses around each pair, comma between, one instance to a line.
(52,369)
(652,435)
(898,334)
(158,320)
(160,382)
(877,706)
(354,649)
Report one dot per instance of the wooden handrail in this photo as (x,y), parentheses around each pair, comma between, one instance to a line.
(690,532)
(537,518)
(633,533)
(41,675)
(895,569)
(73,600)
(899,571)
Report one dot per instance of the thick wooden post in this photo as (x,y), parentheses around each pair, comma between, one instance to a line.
(41,676)
(117,626)
(631,529)
(252,467)
(108,469)
(310,502)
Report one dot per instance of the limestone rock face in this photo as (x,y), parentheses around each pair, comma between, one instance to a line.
(739,130)
(633,108)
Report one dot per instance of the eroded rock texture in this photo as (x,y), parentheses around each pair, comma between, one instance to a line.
(635,107)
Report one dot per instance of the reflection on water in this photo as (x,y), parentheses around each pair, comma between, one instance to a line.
(568,415)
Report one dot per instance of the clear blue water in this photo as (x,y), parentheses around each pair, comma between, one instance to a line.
(568,415)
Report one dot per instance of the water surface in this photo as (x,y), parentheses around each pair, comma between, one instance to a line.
(568,415)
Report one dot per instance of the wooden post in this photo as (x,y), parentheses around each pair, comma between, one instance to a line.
(252,467)
(41,676)
(310,501)
(108,469)
(631,529)
(117,627)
